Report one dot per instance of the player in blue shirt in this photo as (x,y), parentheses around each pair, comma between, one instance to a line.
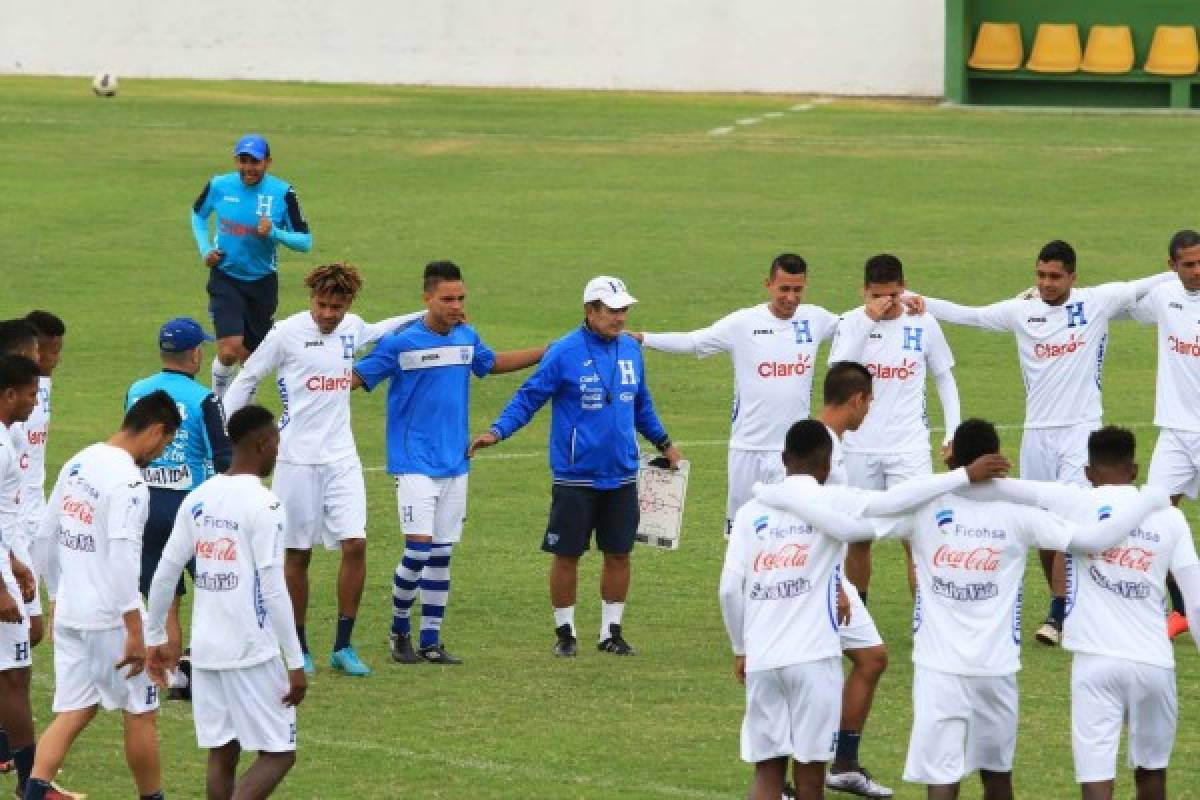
(430,364)
(199,450)
(255,212)
(596,381)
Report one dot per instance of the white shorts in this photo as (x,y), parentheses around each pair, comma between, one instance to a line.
(14,636)
(434,507)
(1057,454)
(84,674)
(245,704)
(324,503)
(746,468)
(1175,464)
(961,723)
(1106,691)
(793,711)
(884,470)
(860,632)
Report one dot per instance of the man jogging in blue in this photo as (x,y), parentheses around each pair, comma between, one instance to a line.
(596,380)
(255,212)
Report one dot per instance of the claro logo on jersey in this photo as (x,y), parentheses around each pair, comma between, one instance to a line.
(223,549)
(978,559)
(891,372)
(326,383)
(786,369)
(1181,347)
(1058,349)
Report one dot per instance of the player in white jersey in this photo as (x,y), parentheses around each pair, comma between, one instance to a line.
(778,590)
(774,348)
(18,395)
(970,560)
(89,552)
(1062,337)
(1124,665)
(243,698)
(901,351)
(319,476)
(1173,307)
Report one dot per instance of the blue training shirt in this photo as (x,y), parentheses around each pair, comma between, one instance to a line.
(428,401)
(248,256)
(200,447)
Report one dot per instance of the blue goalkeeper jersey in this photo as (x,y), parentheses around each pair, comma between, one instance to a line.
(238,207)
(429,397)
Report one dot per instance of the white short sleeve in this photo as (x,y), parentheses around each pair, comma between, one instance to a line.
(267,532)
(1145,310)
(937,355)
(1184,554)
(128,507)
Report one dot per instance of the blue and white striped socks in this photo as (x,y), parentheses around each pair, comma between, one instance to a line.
(404,585)
(435,592)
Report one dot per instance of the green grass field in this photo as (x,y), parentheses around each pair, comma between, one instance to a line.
(533,193)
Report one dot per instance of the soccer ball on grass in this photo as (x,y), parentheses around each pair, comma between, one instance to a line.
(105,84)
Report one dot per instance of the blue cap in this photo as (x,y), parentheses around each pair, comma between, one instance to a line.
(180,335)
(254,146)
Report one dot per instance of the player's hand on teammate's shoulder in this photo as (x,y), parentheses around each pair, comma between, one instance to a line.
(992,465)
(637,336)
(297,688)
(264,226)
(913,303)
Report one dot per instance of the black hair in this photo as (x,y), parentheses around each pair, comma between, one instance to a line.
(247,420)
(973,438)
(16,334)
(883,268)
(790,263)
(808,441)
(17,371)
(1058,250)
(844,380)
(1111,446)
(46,324)
(438,271)
(1181,241)
(152,409)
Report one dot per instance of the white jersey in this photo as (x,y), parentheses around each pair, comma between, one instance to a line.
(1116,604)
(773,364)
(234,527)
(10,489)
(899,353)
(99,497)
(313,371)
(34,434)
(837,462)
(1061,348)
(970,562)
(1177,314)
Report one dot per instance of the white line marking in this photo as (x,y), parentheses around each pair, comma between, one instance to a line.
(635,788)
(822,101)
(720,131)
(748,121)
(773,114)
(801,107)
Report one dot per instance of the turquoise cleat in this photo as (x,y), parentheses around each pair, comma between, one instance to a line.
(309,667)
(348,662)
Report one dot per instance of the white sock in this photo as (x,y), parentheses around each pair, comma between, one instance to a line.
(565,616)
(610,614)
(222,377)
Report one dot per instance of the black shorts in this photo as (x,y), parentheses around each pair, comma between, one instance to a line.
(242,308)
(576,511)
(164,505)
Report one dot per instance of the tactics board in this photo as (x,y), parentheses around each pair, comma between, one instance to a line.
(661,496)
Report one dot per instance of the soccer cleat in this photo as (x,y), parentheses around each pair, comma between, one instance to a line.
(856,781)
(402,649)
(565,647)
(788,792)
(615,643)
(1050,633)
(436,654)
(347,662)
(56,792)
(1176,624)
(309,667)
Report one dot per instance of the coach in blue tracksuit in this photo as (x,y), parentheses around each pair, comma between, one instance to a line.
(596,381)
(255,212)
(200,447)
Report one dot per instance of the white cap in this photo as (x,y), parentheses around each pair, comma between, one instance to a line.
(608,290)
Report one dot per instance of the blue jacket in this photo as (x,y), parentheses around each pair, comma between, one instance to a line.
(600,404)
(200,446)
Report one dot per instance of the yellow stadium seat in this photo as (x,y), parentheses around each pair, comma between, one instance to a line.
(1109,50)
(1173,51)
(998,47)
(1055,48)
